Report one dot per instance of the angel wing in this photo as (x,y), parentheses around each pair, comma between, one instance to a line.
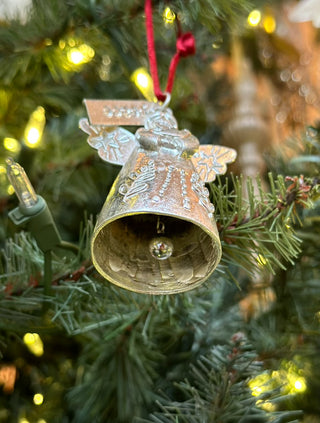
(114,144)
(211,160)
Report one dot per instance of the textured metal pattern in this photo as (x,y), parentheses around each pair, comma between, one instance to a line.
(211,160)
(119,112)
(148,188)
(114,145)
(160,192)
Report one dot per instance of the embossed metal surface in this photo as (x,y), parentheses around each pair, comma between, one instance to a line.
(114,144)
(119,112)
(211,160)
(160,186)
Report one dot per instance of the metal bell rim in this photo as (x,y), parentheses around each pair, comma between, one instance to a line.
(183,288)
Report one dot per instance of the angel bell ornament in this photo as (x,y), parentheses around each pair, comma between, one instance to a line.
(156,233)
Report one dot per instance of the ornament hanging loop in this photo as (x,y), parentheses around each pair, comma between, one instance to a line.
(166,101)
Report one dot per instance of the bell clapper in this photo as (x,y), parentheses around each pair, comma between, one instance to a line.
(161,248)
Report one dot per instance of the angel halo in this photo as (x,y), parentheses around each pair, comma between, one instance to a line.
(156,232)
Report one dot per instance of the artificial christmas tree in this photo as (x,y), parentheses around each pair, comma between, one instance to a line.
(244,345)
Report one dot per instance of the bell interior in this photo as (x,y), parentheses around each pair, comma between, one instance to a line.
(121,252)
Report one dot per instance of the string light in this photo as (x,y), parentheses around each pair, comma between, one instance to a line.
(168,16)
(300,385)
(254,17)
(11,144)
(38,399)
(143,81)
(10,190)
(266,405)
(21,184)
(34,129)
(34,343)
(80,55)
(262,261)
(77,53)
(259,384)
(288,379)
(269,24)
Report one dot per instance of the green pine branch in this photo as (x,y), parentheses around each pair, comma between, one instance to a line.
(216,390)
(259,231)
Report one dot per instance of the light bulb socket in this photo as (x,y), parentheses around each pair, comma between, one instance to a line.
(39,221)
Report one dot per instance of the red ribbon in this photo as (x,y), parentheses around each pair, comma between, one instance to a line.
(185,47)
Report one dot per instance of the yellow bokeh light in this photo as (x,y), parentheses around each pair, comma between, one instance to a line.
(42,421)
(269,24)
(168,16)
(143,82)
(81,54)
(254,17)
(87,51)
(262,261)
(71,42)
(297,384)
(256,391)
(33,136)
(23,420)
(288,379)
(10,190)
(266,405)
(29,338)
(11,144)
(259,384)
(34,343)
(75,56)
(38,399)
(287,223)
(34,129)
(3,170)
(300,385)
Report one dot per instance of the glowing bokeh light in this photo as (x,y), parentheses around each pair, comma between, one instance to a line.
(269,24)
(143,81)
(38,399)
(10,190)
(168,16)
(80,54)
(34,129)
(76,57)
(254,17)
(262,261)
(11,144)
(34,343)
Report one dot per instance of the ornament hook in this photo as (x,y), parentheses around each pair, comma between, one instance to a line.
(166,101)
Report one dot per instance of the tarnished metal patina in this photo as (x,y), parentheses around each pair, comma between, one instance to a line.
(156,232)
